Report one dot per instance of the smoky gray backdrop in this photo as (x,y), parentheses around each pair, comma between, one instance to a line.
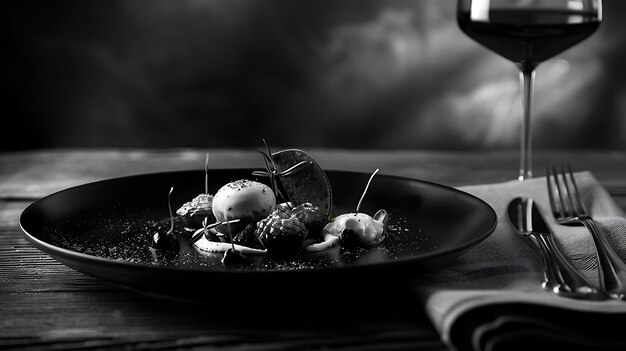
(305,73)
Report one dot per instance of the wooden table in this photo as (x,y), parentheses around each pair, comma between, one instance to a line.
(44,304)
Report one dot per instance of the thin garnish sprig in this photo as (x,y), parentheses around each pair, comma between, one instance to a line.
(358,206)
(206,174)
(232,255)
(169,206)
(203,232)
(168,240)
(230,235)
(274,174)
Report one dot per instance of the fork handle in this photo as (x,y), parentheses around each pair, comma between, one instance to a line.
(611,268)
(577,284)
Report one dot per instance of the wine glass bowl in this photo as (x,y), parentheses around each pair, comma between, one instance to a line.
(528,32)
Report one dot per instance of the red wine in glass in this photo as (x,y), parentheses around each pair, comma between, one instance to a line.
(528,33)
(528,37)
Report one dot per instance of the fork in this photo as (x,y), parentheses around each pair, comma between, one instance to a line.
(568,209)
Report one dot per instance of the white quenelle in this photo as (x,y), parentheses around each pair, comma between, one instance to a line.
(247,200)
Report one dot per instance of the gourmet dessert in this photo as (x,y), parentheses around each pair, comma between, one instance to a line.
(246,200)
(354,229)
(282,233)
(193,213)
(288,217)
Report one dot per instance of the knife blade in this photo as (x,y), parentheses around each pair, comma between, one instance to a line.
(559,275)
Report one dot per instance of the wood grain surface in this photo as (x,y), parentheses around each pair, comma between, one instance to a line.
(46,305)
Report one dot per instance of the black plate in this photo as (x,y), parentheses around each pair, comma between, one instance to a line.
(103,229)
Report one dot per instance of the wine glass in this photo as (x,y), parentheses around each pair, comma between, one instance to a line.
(528,32)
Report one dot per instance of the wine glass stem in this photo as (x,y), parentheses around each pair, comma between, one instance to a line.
(527,82)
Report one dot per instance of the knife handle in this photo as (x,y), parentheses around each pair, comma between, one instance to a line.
(552,279)
(576,285)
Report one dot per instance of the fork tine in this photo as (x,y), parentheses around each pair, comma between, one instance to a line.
(572,210)
(553,204)
(579,205)
(560,189)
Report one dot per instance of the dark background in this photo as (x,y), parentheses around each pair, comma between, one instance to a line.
(302,73)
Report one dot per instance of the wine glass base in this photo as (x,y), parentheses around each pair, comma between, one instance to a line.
(522,177)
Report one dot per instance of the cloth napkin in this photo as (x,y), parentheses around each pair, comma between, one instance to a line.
(491,298)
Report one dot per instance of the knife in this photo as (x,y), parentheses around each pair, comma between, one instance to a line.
(559,275)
